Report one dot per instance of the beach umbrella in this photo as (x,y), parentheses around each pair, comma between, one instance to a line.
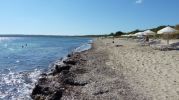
(131,35)
(124,35)
(167,31)
(148,32)
(139,34)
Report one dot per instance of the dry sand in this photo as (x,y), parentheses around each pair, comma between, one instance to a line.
(151,72)
(107,72)
(103,81)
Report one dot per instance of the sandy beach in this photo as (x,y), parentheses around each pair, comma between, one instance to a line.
(107,72)
(151,72)
(89,50)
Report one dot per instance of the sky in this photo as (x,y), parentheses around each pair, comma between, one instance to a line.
(82,17)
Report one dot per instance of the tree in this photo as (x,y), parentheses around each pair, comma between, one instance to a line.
(111,34)
(135,31)
(177,27)
(119,33)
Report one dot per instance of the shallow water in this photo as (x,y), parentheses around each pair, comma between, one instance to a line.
(23,59)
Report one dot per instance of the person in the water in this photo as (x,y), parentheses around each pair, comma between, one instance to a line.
(24,46)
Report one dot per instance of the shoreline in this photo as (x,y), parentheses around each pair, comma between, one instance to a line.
(123,70)
(60,69)
(21,67)
(85,75)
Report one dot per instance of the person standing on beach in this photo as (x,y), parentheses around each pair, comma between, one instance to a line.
(147,38)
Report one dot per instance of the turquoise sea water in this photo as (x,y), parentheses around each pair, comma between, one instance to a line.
(23,59)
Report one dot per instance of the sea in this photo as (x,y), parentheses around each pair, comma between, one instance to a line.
(24,58)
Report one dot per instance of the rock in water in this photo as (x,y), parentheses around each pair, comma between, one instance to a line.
(37,90)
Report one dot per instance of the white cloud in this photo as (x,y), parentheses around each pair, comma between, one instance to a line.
(139,1)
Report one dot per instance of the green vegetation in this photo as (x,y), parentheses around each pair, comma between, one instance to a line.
(177,27)
(135,31)
(158,28)
(119,33)
(93,36)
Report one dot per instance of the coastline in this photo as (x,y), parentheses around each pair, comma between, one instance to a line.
(24,59)
(59,69)
(123,70)
(85,75)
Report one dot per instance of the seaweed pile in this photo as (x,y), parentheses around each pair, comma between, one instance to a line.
(52,86)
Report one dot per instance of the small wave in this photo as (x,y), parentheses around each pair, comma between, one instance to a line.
(17,85)
(83,47)
(5,45)
(17,61)
(90,41)
(4,38)
(11,49)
